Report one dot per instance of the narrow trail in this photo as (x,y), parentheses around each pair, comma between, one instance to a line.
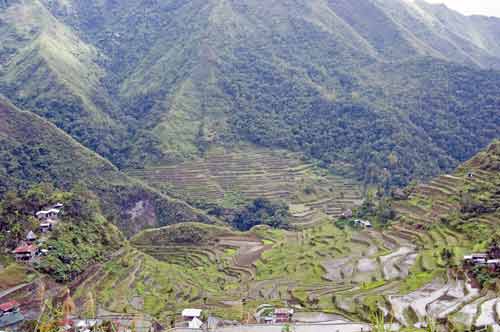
(14,289)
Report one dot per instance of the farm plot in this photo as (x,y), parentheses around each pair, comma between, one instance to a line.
(231,177)
(398,263)
(429,202)
(488,314)
(321,268)
(135,282)
(403,270)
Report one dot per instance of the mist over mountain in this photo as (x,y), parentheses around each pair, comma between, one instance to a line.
(381,89)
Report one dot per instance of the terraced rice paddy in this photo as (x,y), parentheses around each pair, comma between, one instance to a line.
(346,273)
(231,177)
(429,202)
(322,268)
(399,271)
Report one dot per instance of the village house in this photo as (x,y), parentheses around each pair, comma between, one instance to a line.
(363,223)
(31,237)
(10,314)
(476,258)
(283,315)
(193,318)
(25,252)
(48,218)
(490,258)
(49,214)
(46,227)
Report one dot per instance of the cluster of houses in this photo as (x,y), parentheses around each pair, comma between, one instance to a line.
(490,259)
(264,314)
(27,250)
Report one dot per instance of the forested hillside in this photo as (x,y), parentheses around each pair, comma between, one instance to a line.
(81,237)
(384,90)
(34,151)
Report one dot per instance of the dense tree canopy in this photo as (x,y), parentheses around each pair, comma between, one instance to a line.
(261,211)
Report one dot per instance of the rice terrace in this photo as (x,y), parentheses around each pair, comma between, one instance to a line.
(249,166)
(343,272)
(232,176)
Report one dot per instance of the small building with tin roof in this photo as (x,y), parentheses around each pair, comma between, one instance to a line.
(25,252)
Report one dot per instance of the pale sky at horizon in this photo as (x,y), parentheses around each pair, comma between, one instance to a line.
(470,7)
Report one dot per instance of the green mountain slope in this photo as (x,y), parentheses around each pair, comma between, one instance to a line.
(45,67)
(382,89)
(467,200)
(444,33)
(33,151)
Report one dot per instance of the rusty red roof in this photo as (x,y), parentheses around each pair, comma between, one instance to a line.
(26,248)
(283,311)
(9,305)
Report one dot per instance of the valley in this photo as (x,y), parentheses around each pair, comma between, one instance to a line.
(321,269)
(248,166)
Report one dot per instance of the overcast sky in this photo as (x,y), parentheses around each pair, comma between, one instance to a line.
(468,7)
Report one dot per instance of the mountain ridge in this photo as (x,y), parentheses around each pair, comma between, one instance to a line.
(180,77)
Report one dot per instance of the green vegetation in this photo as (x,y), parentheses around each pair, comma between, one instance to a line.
(262,212)
(81,237)
(359,88)
(486,278)
(416,281)
(35,151)
(324,268)
(13,275)
(132,83)
(226,179)
(185,233)
(371,285)
(301,259)
(315,267)
(465,202)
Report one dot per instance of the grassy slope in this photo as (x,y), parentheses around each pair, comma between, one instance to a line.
(45,67)
(33,151)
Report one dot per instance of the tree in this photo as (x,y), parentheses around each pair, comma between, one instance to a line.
(262,212)
(447,255)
